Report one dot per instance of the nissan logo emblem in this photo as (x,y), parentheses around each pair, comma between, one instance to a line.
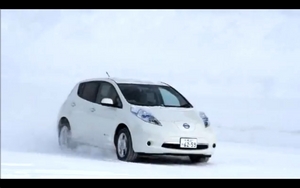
(185,125)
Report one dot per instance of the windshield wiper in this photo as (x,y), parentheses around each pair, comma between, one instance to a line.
(187,105)
(181,106)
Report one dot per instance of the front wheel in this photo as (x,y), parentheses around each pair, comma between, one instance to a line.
(199,158)
(124,149)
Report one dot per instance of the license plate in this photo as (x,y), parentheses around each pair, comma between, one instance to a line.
(188,142)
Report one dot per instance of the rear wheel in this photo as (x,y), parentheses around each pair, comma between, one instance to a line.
(199,158)
(124,149)
(65,139)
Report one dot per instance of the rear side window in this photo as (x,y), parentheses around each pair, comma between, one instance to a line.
(80,89)
(88,91)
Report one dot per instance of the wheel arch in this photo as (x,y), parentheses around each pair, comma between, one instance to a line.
(63,121)
(119,127)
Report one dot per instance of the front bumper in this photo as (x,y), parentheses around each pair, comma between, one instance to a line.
(153,139)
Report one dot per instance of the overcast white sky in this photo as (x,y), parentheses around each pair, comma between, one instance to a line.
(247,53)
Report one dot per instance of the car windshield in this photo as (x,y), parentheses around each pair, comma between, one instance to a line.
(153,95)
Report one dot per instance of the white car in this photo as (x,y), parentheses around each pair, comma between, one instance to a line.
(134,118)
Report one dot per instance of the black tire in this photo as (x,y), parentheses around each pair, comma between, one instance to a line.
(129,155)
(69,144)
(199,158)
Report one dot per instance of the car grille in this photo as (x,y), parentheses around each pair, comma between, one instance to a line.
(177,146)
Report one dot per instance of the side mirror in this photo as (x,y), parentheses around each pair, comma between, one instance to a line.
(107,102)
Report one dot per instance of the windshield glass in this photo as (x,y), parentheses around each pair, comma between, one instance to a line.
(153,95)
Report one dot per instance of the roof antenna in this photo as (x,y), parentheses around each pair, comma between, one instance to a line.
(107,74)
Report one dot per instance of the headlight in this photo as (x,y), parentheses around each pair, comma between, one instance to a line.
(205,119)
(145,116)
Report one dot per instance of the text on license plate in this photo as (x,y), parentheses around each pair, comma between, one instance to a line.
(188,142)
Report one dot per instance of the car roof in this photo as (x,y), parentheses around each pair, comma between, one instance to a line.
(125,81)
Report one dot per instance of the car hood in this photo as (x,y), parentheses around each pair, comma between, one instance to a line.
(174,114)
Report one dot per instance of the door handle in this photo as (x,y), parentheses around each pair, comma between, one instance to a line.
(92,109)
(73,104)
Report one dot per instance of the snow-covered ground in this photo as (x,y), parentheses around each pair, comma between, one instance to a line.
(231,160)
